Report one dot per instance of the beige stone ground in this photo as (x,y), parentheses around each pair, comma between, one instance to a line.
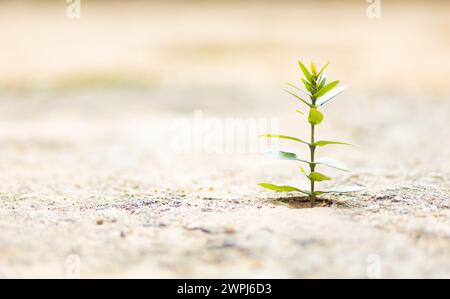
(91,184)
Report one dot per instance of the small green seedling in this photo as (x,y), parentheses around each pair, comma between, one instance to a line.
(319,93)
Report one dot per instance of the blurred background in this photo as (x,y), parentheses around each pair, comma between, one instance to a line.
(153,61)
(199,44)
(88,104)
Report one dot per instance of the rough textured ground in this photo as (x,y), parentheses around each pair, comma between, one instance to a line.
(112,192)
(92,185)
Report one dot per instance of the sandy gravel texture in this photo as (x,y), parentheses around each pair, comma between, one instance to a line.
(113,193)
(93,186)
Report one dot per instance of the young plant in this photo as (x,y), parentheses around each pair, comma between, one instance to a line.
(319,92)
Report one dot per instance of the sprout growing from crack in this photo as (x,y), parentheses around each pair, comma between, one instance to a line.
(319,93)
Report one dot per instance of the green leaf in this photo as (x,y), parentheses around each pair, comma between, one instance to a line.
(304,172)
(299,111)
(282,188)
(308,86)
(326,142)
(318,177)
(347,189)
(332,163)
(315,117)
(281,155)
(315,176)
(317,193)
(284,156)
(283,137)
(278,188)
(304,101)
(331,95)
(326,89)
(305,71)
(322,82)
(321,71)
(291,156)
(307,93)
(321,78)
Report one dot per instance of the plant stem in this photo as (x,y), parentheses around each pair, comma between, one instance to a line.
(312,166)
(312,148)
